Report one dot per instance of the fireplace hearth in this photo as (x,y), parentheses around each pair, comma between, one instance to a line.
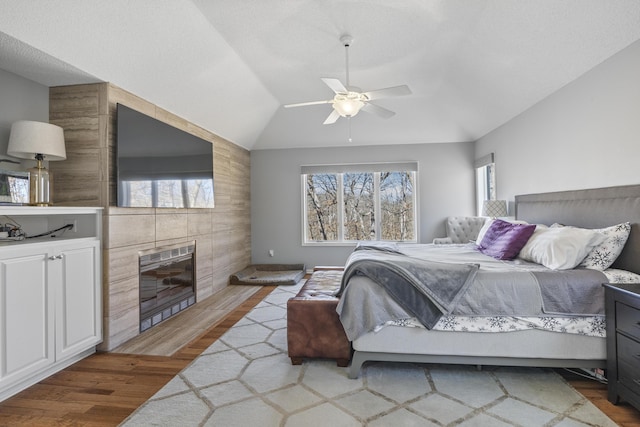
(167,282)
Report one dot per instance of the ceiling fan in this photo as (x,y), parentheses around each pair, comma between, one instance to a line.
(349,100)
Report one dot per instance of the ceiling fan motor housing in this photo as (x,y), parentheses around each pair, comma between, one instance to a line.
(346,40)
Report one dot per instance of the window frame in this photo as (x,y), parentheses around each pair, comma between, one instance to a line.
(485,168)
(339,170)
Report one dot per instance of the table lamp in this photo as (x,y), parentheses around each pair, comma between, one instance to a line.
(494,208)
(39,141)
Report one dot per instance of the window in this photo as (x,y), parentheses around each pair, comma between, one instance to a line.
(485,181)
(348,203)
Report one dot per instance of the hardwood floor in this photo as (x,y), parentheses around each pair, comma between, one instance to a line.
(623,414)
(102,390)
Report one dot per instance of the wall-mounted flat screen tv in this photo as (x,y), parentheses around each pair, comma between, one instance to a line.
(159,165)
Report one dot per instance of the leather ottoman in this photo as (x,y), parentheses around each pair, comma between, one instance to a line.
(313,326)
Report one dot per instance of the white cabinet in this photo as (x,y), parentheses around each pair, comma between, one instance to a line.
(26,324)
(78,303)
(50,295)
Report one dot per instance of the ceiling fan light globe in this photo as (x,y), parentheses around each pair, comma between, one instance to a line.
(348,107)
(348,104)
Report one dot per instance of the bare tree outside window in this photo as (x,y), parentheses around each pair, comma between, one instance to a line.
(322,207)
(359,215)
(396,204)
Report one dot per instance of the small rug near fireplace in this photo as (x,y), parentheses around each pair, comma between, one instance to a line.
(246,379)
(268,274)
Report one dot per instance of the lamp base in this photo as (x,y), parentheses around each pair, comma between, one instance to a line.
(39,186)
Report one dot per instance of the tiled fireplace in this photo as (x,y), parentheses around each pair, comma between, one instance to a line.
(222,235)
(167,283)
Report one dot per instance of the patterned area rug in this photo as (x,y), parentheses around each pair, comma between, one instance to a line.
(246,379)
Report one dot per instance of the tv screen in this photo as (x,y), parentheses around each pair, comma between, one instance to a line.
(159,165)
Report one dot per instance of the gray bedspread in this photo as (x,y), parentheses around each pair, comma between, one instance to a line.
(426,289)
(383,285)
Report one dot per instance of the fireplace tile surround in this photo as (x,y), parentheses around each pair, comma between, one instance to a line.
(129,233)
(87,178)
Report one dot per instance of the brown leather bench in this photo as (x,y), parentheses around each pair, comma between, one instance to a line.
(313,327)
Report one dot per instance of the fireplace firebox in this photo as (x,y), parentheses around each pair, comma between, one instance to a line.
(167,283)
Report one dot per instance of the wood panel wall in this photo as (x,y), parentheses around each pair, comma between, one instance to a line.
(88,178)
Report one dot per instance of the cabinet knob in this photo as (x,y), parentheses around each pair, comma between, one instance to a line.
(54,257)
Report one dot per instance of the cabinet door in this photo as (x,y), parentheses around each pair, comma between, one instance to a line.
(79,301)
(26,315)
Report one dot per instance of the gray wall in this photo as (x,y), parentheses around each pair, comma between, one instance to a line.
(586,135)
(20,99)
(445,187)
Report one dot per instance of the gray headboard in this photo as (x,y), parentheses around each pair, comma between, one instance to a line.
(593,208)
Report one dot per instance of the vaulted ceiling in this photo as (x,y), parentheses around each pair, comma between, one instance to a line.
(231,65)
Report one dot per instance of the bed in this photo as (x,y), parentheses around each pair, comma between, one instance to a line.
(527,346)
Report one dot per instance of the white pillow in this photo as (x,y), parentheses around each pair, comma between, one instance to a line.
(483,231)
(603,255)
(560,248)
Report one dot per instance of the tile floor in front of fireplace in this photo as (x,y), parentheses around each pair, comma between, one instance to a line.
(174,333)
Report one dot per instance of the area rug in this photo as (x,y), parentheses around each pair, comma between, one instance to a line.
(246,379)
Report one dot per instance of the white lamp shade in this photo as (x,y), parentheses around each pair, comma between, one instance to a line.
(29,138)
(494,208)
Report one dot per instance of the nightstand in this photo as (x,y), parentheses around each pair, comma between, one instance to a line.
(622,306)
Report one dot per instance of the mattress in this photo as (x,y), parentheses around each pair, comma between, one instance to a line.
(527,344)
(582,325)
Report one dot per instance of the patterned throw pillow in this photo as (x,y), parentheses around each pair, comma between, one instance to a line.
(621,276)
(603,255)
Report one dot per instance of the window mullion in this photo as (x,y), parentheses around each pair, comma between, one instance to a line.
(154,193)
(376,205)
(305,207)
(340,194)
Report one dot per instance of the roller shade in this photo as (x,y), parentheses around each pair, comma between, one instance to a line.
(360,167)
(484,160)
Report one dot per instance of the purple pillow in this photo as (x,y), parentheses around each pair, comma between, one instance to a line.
(504,240)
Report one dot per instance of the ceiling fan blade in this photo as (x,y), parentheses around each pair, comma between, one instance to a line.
(335,85)
(332,118)
(388,92)
(303,104)
(377,110)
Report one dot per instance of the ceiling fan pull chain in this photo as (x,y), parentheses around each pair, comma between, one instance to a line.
(349,129)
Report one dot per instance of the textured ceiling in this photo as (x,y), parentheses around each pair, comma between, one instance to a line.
(230,65)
